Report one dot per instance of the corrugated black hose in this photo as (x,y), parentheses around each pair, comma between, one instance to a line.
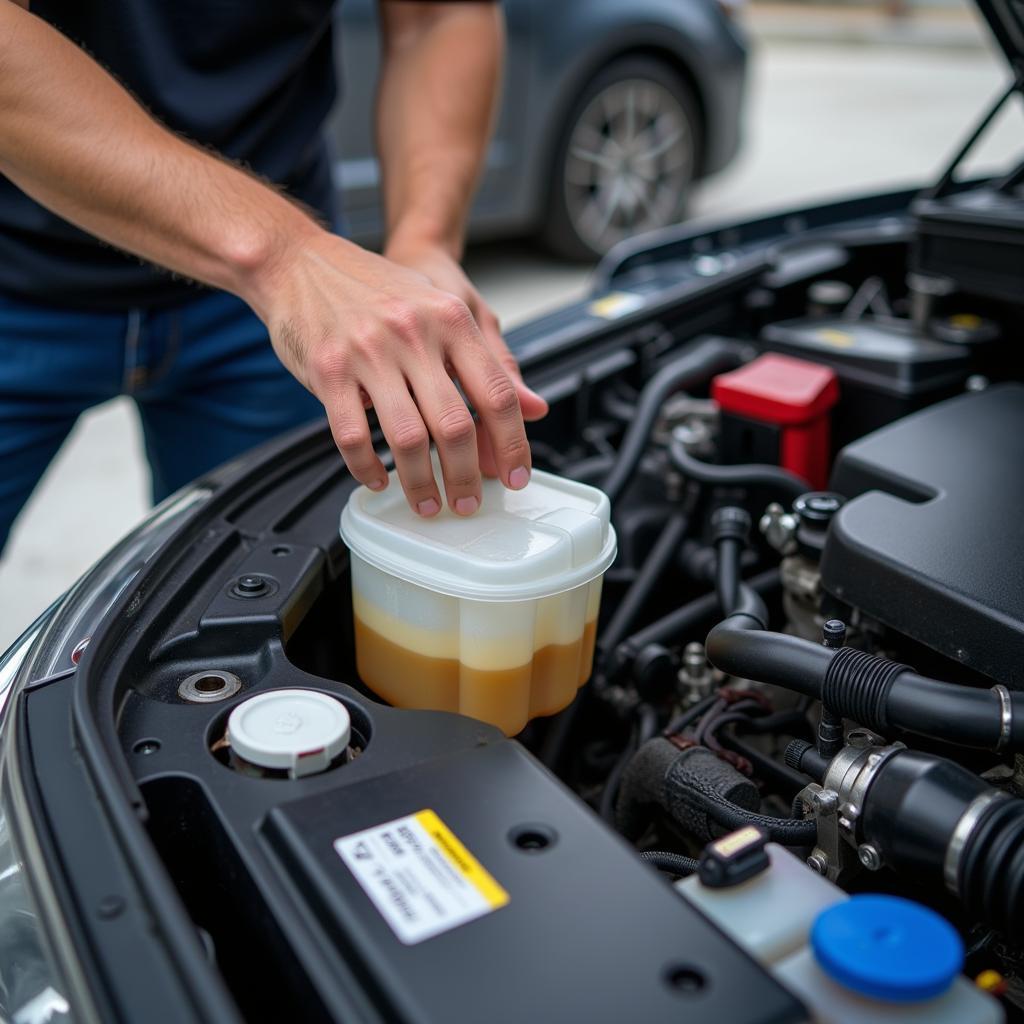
(876,692)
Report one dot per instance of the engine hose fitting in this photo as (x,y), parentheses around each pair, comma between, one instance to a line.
(931,818)
(802,756)
(857,685)
(730,522)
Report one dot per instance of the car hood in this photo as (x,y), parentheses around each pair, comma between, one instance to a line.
(1006,19)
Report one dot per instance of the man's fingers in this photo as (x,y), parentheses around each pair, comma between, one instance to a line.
(495,398)
(347,418)
(454,433)
(532,405)
(409,440)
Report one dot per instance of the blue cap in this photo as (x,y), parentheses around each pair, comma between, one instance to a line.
(887,948)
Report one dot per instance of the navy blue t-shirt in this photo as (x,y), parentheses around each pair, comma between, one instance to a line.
(254,79)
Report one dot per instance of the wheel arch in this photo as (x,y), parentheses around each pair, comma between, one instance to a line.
(580,77)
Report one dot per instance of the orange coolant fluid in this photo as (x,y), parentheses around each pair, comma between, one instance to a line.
(492,616)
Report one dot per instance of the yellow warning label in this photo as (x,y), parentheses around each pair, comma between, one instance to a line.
(462,860)
(419,876)
(615,304)
(831,336)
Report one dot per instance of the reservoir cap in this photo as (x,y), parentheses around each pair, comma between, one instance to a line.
(552,536)
(297,731)
(888,948)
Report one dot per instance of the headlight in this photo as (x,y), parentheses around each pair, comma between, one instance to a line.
(40,977)
(32,988)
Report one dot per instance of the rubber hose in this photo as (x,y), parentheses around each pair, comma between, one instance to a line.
(692,366)
(647,726)
(690,616)
(991,875)
(875,692)
(750,475)
(727,574)
(740,647)
(661,554)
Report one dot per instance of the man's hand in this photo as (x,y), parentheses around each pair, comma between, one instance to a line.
(444,272)
(358,329)
(355,328)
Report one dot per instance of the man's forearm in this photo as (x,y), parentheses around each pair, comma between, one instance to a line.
(76,141)
(439,84)
(353,327)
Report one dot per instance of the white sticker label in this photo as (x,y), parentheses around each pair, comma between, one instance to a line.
(420,876)
(615,305)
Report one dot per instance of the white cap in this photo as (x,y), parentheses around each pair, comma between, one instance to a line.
(298,731)
(548,538)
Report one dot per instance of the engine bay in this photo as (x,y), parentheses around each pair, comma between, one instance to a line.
(812,458)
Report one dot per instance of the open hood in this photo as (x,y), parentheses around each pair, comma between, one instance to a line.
(1006,19)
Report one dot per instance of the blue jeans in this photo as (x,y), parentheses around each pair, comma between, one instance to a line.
(203,374)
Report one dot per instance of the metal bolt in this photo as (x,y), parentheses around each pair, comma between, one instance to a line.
(818,862)
(694,658)
(869,856)
(825,801)
(833,633)
(862,738)
(252,585)
(778,528)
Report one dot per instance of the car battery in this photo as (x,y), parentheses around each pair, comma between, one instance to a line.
(776,410)
(887,368)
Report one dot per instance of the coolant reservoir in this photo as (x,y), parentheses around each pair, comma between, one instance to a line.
(492,615)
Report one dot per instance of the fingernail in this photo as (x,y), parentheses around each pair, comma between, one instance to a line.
(519,478)
(429,507)
(466,506)
(377,485)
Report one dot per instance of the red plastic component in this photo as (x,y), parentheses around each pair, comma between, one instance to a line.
(793,395)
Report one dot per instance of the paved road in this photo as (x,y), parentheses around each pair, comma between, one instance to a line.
(822,120)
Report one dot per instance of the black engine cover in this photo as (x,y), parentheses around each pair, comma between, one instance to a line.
(932,541)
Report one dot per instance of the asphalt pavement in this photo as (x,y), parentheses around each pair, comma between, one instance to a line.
(865,112)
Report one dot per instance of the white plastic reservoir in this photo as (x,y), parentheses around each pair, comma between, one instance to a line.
(492,615)
(869,959)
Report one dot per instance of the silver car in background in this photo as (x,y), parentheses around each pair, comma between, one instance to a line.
(611,110)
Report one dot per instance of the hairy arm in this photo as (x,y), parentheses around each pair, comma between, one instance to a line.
(438,91)
(353,327)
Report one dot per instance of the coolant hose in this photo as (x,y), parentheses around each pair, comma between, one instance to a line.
(753,475)
(653,568)
(880,694)
(693,366)
(877,693)
(677,625)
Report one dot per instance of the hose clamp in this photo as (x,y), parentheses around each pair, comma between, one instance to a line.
(962,832)
(851,773)
(1005,716)
(837,803)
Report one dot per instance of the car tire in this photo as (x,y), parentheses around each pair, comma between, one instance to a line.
(626,158)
